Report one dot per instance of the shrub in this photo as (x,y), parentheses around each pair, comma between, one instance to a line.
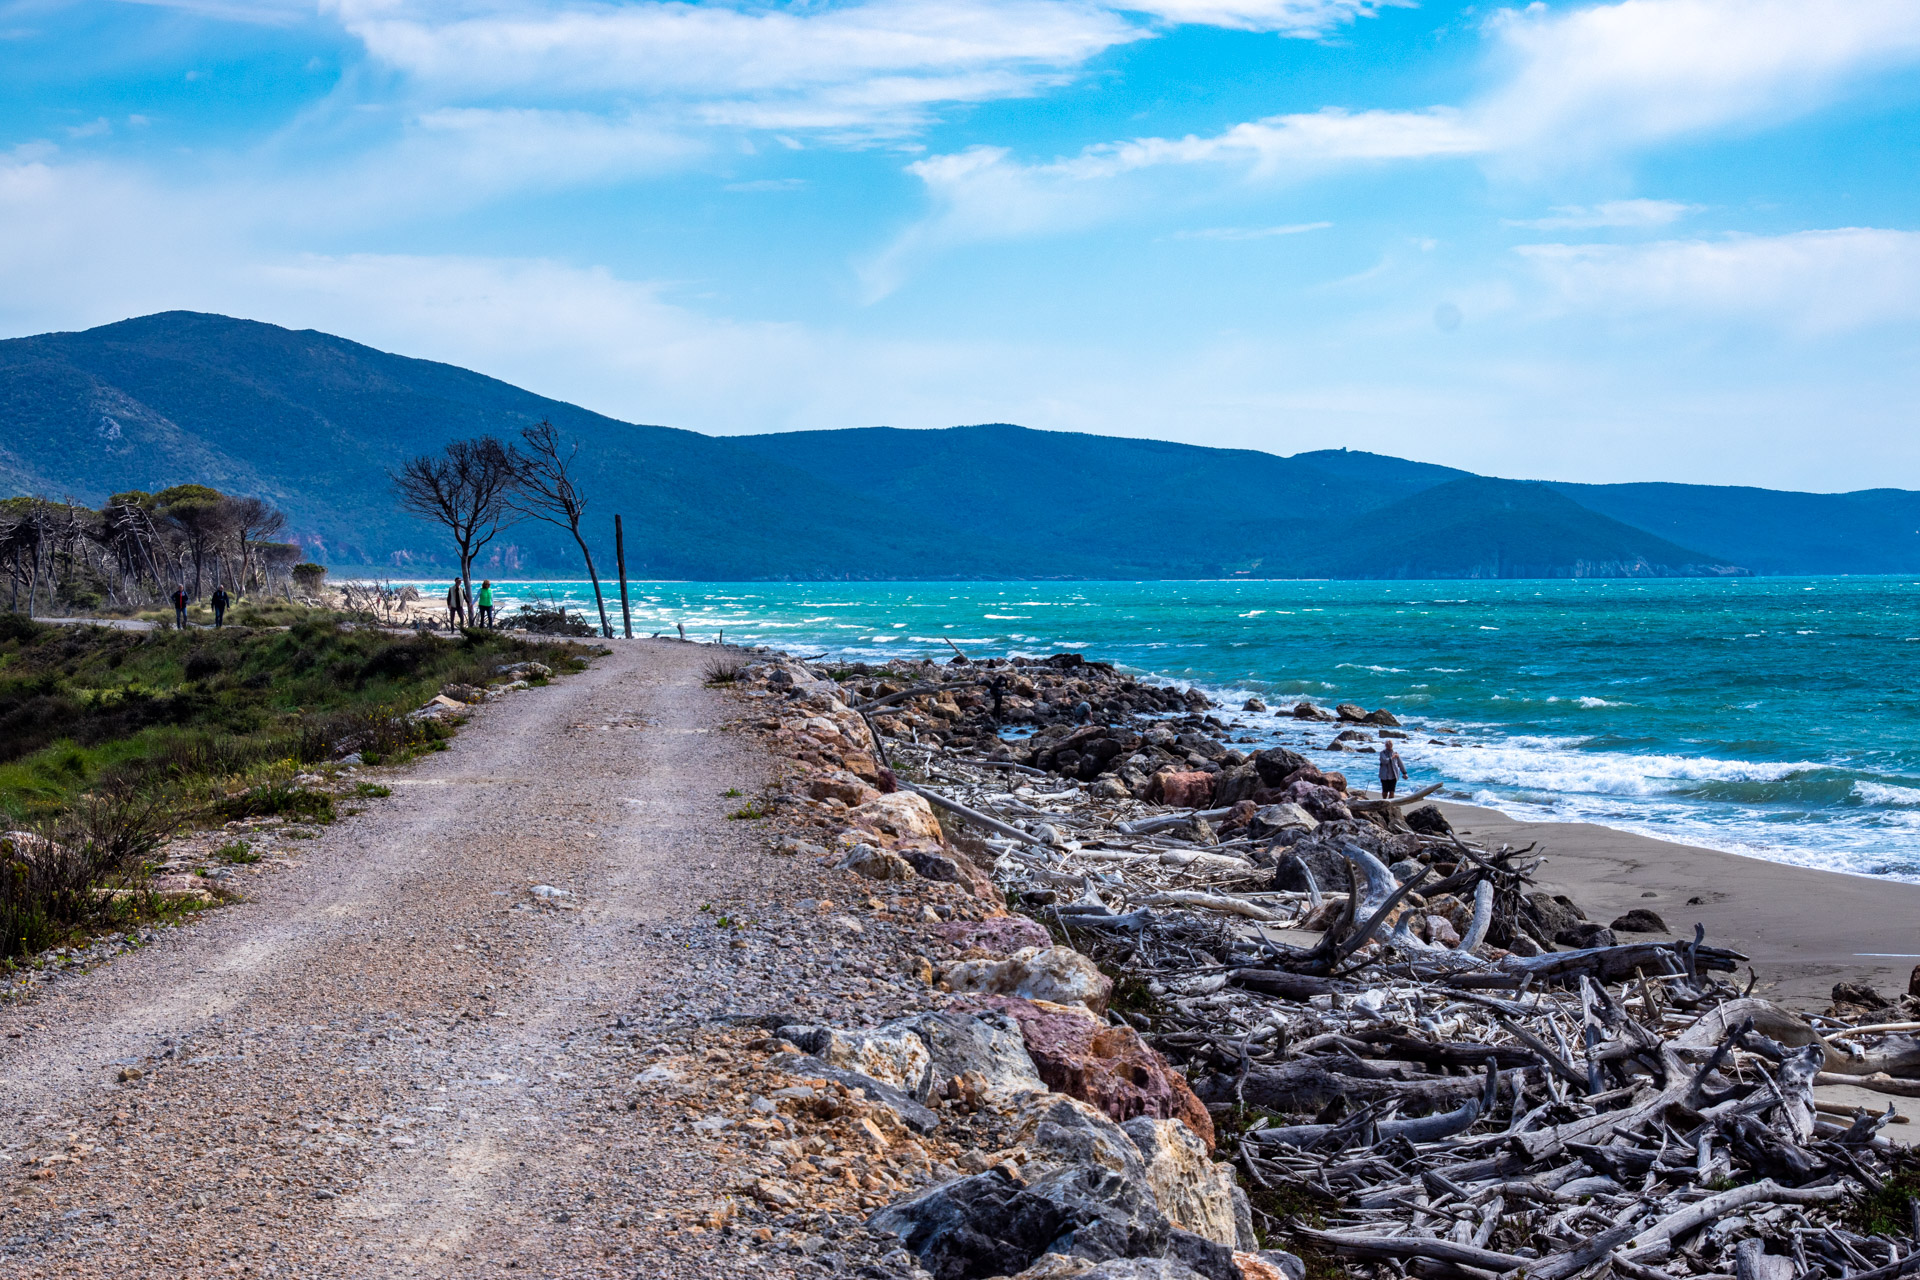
(52,875)
(19,628)
(724,670)
(549,620)
(278,799)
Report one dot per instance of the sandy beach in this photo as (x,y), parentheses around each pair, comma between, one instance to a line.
(1805,930)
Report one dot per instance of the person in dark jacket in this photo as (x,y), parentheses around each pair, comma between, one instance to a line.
(219,600)
(456,611)
(180,606)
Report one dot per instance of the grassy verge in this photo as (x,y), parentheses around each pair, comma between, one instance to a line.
(110,740)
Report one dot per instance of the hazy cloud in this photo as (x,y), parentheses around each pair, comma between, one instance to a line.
(1610,213)
(1250,233)
(1809,282)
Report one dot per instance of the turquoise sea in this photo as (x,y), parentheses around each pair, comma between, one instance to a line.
(1775,717)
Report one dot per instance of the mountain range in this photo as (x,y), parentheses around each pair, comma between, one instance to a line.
(314,422)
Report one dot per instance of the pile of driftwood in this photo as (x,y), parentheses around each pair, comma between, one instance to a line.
(1413,1076)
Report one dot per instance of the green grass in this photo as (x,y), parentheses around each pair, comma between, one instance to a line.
(220,721)
(748,812)
(1885,1212)
(278,800)
(372,789)
(111,740)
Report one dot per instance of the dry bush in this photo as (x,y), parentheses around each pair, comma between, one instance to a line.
(52,874)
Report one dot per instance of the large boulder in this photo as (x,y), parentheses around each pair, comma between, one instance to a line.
(1324,803)
(1320,850)
(1231,786)
(1270,1264)
(1110,1067)
(902,814)
(912,1113)
(1199,744)
(1055,1129)
(841,785)
(1350,712)
(989,1225)
(1584,935)
(1060,975)
(934,863)
(1277,764)
(1551,915)
(1307,711)
(1191,789)
(1641,920)
(986,1048)
(1004,934)
(875,863)
(1272,819)
(1195,1193)
(894,1054)
(1058,1266)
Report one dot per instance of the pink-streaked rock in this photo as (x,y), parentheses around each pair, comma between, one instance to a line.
(1110,1067)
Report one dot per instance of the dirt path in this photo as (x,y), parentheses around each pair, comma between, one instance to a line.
(396,1060)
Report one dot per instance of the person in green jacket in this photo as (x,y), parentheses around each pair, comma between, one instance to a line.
(485,602)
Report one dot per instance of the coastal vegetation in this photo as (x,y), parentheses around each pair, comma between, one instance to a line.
(136,548)
(112,739)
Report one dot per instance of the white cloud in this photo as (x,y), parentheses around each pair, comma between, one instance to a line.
(1250,233)
(883,63)
(1809,282)
(1290,17)
(1610,213)
(1291,143)
(1644,71)
(984,194)
(1571,82)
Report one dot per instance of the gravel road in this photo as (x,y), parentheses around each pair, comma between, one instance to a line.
(394,1059)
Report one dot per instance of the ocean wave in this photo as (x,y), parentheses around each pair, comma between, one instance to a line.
(1512,763)
(1884,793)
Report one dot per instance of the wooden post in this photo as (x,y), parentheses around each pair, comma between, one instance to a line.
(620,555)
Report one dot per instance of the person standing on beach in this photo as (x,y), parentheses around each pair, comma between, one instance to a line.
(219,600)
(455,614)
(1392,769)
(180,606)
(486,602)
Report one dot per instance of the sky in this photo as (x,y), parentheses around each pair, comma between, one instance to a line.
(1647,240)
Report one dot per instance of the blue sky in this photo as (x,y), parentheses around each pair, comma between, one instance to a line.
(1657,239)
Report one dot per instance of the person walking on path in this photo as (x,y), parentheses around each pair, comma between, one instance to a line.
(456,615)
(180,606)
(219,600)
(1392,769)
(486,602)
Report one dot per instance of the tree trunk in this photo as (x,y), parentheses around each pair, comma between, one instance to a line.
(606,627)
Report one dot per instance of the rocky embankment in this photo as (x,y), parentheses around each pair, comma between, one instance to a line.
(1241,1005)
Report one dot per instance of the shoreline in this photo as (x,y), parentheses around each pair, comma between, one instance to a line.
(1804,928)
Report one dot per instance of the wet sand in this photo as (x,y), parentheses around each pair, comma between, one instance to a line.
(1805,930)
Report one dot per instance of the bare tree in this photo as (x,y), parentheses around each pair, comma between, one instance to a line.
(253,520)
(463,488)
(546,492)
